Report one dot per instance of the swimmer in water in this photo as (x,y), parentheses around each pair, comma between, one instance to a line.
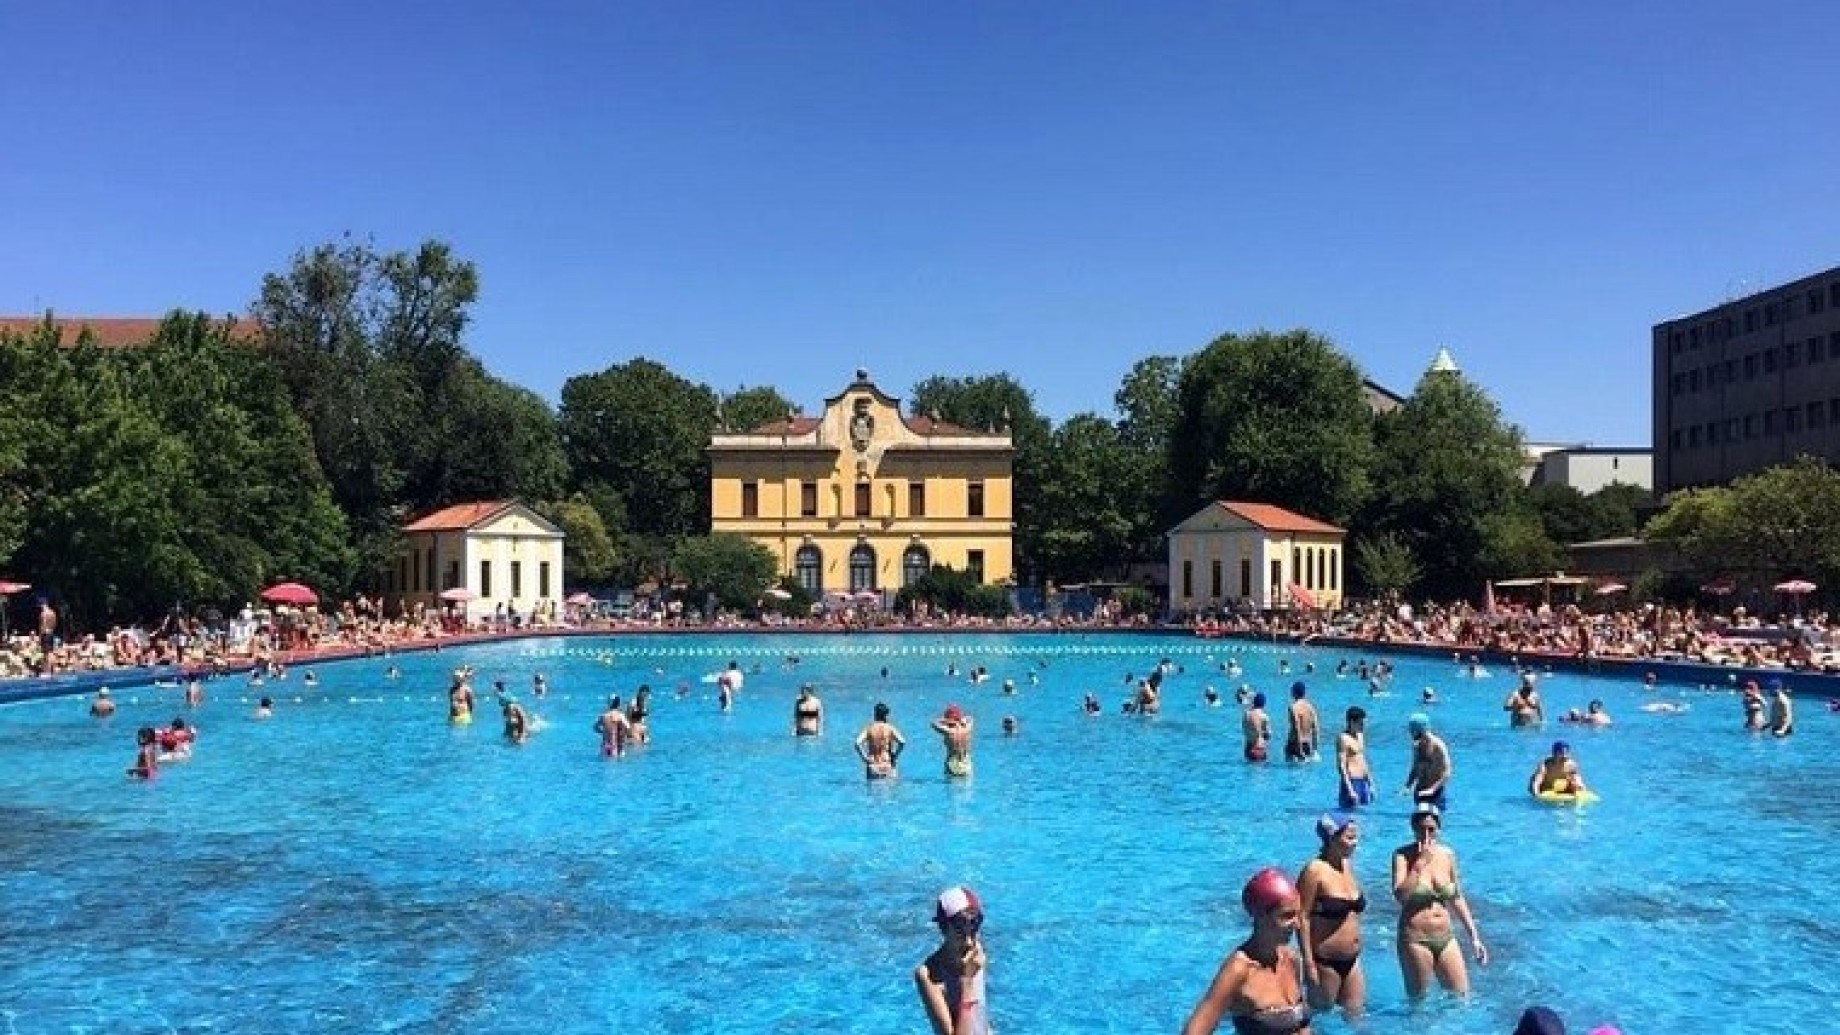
(1428,696)
(265,708)
(1256,726)
(1009,725)
(614,728)
(807,713)
(310,678)
(951,980)
(539,685)
(1091,705)
(1300,743)
(879,745)
(517,724)
(954,729)
(1259,987)
(102,707)
(1557,773)
(1211,696)
(146,758)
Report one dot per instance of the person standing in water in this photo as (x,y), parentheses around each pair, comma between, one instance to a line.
(614,728)
(1431,768)
(954,729)
(102,707)
(460,699)
(1357,784)
(879,745)
(1305,727)
(1523,705)
(1256,726)
(807,713)
(1260,986)
(951,980)
(1332,904)
(1782,710)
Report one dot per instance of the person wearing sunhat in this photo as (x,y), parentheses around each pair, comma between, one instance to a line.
(954,729)
(1259,986)
(1332,904)
(951,980)
(1431,769)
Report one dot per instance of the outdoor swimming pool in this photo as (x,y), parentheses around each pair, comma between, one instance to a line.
(355,864)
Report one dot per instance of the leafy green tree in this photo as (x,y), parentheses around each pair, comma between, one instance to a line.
(1271,418)
(1090,510)
(1148,403)
(1386,564)
(1448,484)
(1513,543)
(948,590)
(640,432)
(1775,524)
(998,402)
(733,567)
(497,441)
(588,553)
(746,409)
(1570,516)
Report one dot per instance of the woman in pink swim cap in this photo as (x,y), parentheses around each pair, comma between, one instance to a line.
(1259,986)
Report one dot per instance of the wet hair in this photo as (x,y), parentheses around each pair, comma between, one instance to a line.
(881,712)
(1357,715)
(266,702)
(1297,690)
(1258,700)
(145,735)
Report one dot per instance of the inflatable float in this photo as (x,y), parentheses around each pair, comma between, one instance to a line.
(1556,797)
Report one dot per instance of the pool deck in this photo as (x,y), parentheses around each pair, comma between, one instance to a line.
(1674,672)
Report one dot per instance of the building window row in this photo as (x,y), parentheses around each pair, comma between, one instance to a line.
(1810,416)
(861,502)
(1768,361)
(1788,308)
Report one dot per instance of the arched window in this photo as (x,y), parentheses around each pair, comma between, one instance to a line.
(915,563)
(808,566)
(862,568)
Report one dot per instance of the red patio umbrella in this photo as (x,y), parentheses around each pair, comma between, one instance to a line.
(458,595)
(290,593)
(7,589)
(1301,597)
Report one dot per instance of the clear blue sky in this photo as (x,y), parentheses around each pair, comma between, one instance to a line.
(777,193)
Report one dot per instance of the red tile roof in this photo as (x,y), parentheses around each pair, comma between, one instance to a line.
(1276,519)
(110,332)
(459,517)
(790,426)
(930,426)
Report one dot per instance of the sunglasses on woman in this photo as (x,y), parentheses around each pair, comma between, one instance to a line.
(966,923)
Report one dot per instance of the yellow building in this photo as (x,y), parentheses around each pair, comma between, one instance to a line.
(863,498)
(1231,554)
(482,555)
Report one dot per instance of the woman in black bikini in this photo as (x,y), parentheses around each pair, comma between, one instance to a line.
(1259,986)
(1332,905)
(807,713)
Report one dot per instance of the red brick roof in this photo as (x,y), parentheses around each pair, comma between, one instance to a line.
(111,332)
(790,426)
(1276,519)
(929,426)
(459,517)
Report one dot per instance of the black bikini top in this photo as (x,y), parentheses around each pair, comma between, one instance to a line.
(1331,908)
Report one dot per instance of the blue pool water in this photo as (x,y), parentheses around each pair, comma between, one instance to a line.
(357,865)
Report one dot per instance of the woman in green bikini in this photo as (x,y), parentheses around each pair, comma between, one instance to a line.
(1430,892)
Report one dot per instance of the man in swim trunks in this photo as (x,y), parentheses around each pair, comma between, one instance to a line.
(614,728)
(879,745)
(807,713)
(1431,768)
(1556,773)
(1256,726)
(1300,744)
(102,707)
(954,728)
(1523,705)
(1782,710)
(1357,784)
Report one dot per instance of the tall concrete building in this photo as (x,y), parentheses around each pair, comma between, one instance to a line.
(1749,384)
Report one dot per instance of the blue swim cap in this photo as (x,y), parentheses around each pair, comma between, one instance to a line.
(1560,747)
(1331,824)
(1258,700)
(1775,684)
(1419,721)
(1297,689)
